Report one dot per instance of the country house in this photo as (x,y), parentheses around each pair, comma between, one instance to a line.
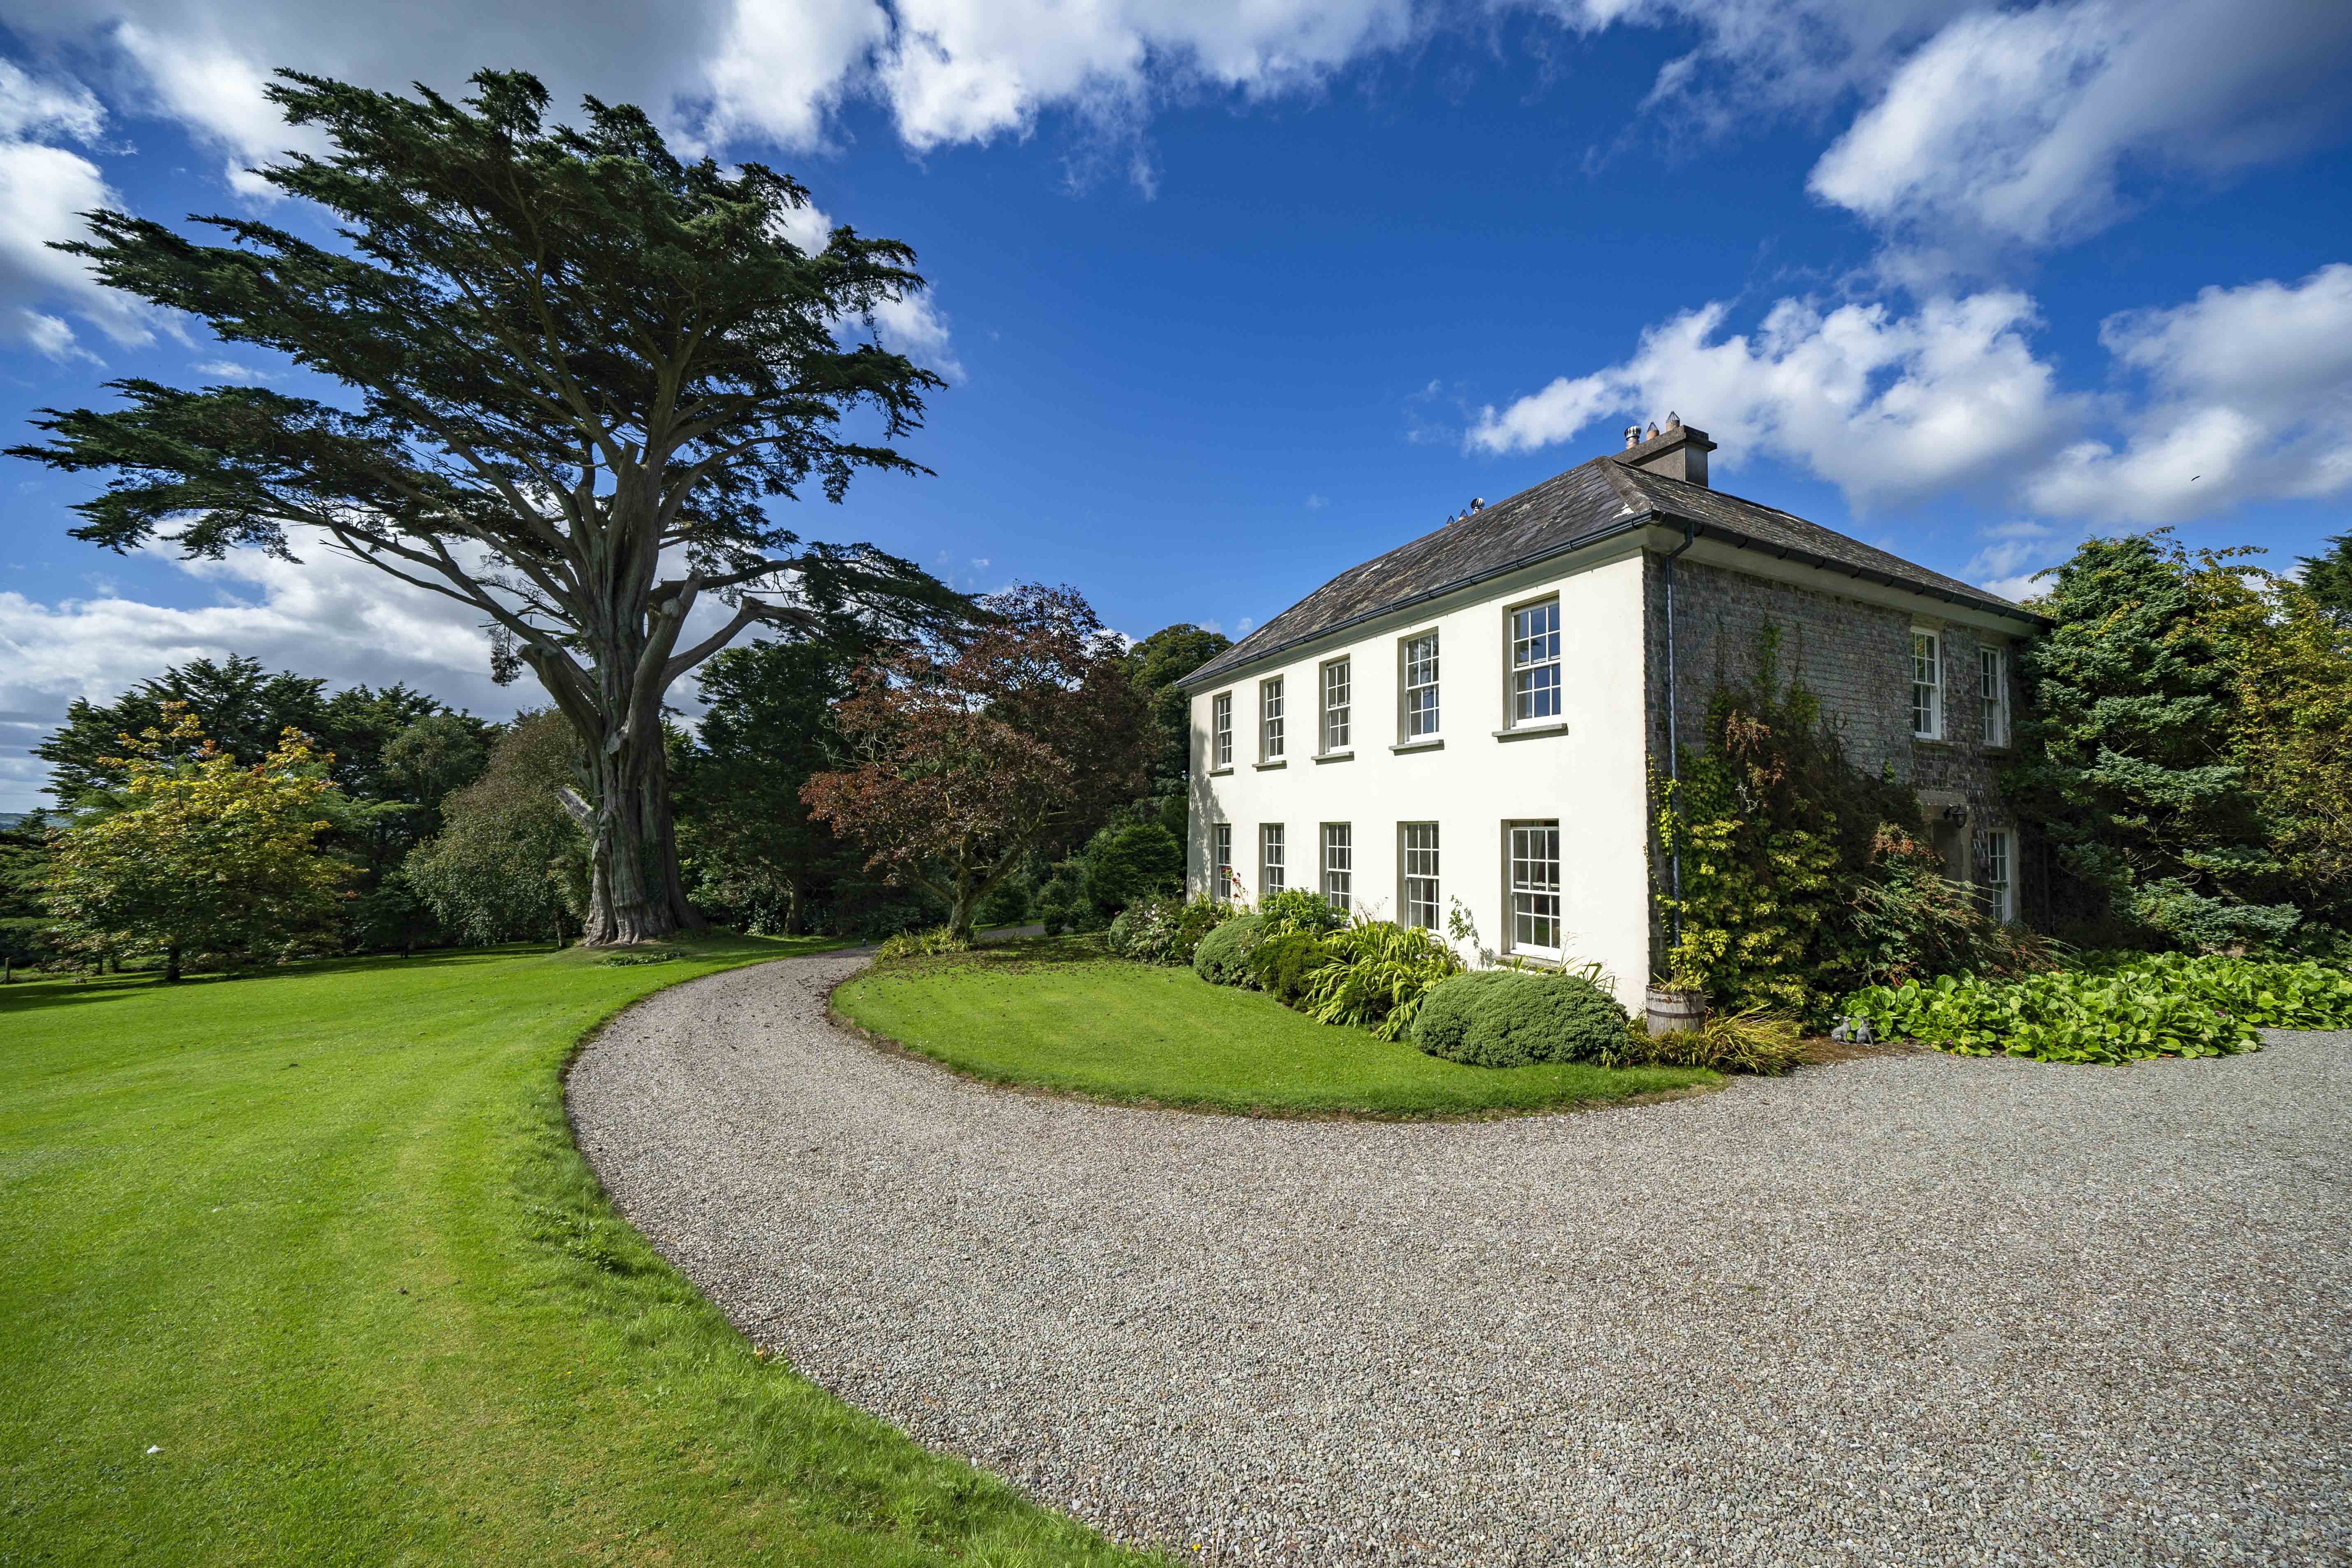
(1474,716)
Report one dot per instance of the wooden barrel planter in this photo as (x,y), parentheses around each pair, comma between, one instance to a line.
(1674,1012)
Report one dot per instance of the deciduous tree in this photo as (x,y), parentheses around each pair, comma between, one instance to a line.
(510,862)
(1022,736)
(194,852)
(574,369)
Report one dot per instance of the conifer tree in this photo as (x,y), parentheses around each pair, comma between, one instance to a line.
(573,371)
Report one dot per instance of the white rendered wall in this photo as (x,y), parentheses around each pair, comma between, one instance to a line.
(1592,778)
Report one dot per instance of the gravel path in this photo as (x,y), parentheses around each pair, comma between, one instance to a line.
(1902,1310)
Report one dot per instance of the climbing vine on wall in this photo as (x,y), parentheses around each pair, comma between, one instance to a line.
(1776,828)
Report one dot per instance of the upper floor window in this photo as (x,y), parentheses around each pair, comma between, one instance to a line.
(1420,686)
(1271,856)
(1220,730)
(1926,685)
(1338,686)
(1269,720)
(1421,875)
(1534,662)
(1535,889)
(1992,685)
(1338,864)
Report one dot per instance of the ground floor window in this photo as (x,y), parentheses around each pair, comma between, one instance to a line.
(1338,864)
(1996,857)
(1270,859)
(1535,889)
(1421,875)
(1221,853)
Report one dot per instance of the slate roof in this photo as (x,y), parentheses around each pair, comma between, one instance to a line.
(1588,503)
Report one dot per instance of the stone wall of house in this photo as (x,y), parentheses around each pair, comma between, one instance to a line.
(1856,657)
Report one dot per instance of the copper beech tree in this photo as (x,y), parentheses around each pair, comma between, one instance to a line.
(1022,733)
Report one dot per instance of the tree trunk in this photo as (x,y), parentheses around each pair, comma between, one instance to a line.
(965,905)
(170,962)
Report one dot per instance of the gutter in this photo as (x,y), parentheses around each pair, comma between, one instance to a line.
(1692,529)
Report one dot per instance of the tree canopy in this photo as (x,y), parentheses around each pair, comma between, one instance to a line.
(1020,737)
(2132,751)
(195,852)
(575,372)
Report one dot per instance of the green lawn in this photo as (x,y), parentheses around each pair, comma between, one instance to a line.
(319,1238)
(1042,1012)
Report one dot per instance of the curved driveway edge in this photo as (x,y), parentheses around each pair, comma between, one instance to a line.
(1909,1309)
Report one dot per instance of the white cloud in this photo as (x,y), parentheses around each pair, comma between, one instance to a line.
(2019,122)
(229,370)
(328,616)
(966,70)
(2023,126)
(1887,406)
(2249,397)
(44,189)
(325,615)
(2244,394)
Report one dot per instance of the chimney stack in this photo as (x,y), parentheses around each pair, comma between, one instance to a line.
(1679,451)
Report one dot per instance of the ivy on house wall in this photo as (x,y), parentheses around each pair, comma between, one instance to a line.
(1802,875)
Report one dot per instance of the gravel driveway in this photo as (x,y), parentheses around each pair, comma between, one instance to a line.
(1902,1310)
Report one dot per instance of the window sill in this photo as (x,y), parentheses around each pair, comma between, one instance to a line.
(1529,732)
(1347,756)
(1427,743)
(1221,773)
(1269,767)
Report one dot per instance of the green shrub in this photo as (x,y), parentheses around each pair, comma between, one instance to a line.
(1166,930)
(1754,1040)
(1283,962)
(1510,1017)
(920,944)
(2115,1008)
(1376,975)
(1223,955)
(1131,862)
(1296,910)
(1007,904)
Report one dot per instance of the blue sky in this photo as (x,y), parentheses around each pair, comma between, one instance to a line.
(1233,296)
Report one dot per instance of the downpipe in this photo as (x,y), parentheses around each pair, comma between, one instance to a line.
(1673,739)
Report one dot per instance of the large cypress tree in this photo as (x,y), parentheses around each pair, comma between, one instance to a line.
(576,368)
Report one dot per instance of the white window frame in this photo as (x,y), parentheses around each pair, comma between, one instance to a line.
(1419,870)
(1221,859)
(1926,684)
(1996,872)
(1992,689)
(1220,730)
(1272,859)
(1526,894)
(1417,719)
(1269,720)
(1338,865)
(1337,684)
(1533,653)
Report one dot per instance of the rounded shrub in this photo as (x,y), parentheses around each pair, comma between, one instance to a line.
(1283,962)
(1222,958)
(1510,1017)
